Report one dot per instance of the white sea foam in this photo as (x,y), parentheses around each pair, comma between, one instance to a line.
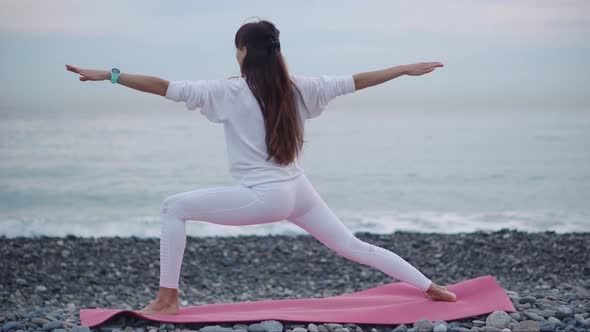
(379,222)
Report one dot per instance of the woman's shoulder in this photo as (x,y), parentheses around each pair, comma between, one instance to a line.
(232,83)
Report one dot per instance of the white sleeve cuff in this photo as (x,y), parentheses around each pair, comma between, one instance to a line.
(174,89)
(349,85)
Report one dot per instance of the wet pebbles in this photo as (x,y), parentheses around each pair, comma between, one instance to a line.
(45,281)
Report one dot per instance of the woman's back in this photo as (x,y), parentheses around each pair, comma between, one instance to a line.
(231,102)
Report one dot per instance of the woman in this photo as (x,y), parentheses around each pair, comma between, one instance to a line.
(263,112)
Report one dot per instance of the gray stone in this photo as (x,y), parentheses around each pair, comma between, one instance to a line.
(528,326)
(65,253)
(533,316)
(563,312)
(498,319)
(83,328)
(40,288)
(547,313)
(423,325)
(515,315)
(252,328)
(322,328)
(32,326)
(332,326)
(478,322)
(547,326)
(272,325)
(400,328)
(216,328)
(40,321)
(527,299)
(440,328)
(311,327)
(459,329)
(58,330)
(52,325)
(299,329)
(491,329)
(11,326)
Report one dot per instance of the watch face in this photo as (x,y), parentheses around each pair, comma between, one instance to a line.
(116,71)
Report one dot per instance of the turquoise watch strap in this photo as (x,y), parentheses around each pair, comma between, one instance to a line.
(115,72)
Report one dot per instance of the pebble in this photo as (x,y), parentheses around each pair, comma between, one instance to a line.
(563,312)
(528,299)
(52,325)
(515,315)
(528,326)
(40,288)
(215,328)
(498,319)
(533,316)
(547,326)
(10,326)
(423,325)
(40,321)
(272,325)
(400,328)
(491,329)
(545,301)
(440,328)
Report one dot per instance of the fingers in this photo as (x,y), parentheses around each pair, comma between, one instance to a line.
(77,71)
(73,69)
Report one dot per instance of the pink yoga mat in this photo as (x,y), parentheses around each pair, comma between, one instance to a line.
(393,303)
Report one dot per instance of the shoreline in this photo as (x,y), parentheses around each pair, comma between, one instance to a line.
(66,274)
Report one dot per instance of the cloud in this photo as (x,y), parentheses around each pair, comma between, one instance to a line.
(495,21)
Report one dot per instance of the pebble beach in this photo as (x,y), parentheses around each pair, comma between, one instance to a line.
(45,281)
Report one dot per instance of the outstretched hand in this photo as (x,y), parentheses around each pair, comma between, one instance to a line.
(89,74)
(422,68)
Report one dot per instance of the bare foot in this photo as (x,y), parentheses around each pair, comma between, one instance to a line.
(160,308)
(440,293)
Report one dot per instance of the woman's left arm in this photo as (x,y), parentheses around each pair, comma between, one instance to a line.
(143,83)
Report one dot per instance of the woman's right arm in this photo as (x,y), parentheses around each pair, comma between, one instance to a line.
(150,84)
(371,78)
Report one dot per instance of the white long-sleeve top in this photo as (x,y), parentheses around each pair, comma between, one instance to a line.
(230,102)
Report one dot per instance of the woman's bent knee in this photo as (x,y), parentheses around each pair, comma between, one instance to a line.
(170,204)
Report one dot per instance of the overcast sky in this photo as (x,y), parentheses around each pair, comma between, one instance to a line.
(495,50)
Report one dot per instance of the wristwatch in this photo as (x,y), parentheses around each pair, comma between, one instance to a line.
(115,72)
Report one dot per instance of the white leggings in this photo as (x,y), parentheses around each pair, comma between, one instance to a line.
(295,200)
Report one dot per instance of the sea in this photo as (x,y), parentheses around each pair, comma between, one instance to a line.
(93,171)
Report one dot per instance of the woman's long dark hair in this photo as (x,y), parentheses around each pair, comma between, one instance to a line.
(266,73)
